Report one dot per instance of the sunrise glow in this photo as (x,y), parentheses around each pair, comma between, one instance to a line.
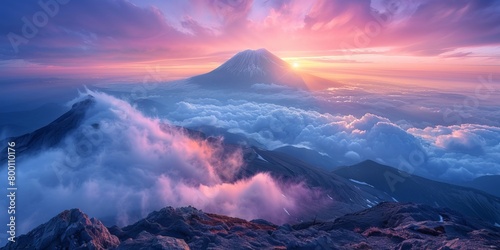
(331,38)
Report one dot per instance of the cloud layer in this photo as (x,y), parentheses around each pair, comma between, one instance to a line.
(454,152)
(119,166)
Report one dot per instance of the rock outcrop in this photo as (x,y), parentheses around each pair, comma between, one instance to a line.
(385,226)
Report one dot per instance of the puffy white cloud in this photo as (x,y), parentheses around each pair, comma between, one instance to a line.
(446,152)
(461,151)
(369,136)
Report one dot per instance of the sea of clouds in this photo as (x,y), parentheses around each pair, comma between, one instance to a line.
(451,136)
(120,165)
(455,152)
(126,159)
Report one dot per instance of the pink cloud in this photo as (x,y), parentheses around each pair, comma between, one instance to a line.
(131,165)
(104,32)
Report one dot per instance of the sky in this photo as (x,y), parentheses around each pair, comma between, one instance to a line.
(426,41)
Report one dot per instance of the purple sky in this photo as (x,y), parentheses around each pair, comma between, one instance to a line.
(117,37)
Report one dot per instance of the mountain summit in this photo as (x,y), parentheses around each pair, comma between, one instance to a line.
(249,67)
(255,63)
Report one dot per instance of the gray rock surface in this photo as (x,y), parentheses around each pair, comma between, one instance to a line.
(71,229)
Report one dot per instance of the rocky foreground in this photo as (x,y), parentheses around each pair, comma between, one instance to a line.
(385,226)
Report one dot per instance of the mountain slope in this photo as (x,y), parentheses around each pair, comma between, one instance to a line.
(336,195)
(20,122)
(488,183)
(406,187)
(257,66)
(71,229)
(385,226)
(308,155)
(53,133)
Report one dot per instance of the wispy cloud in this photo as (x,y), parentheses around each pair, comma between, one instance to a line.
(97,32)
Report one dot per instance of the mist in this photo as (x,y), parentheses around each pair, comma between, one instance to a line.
(120,165)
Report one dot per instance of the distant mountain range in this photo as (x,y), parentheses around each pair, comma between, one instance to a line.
(251,67)
(488,183)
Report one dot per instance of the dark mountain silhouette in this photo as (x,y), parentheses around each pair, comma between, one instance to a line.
(488,183)
(405,187)
(53,133)
(341,195)
(21,122)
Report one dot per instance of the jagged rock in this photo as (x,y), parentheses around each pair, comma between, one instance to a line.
(385,226)
(71,229)
(147,241)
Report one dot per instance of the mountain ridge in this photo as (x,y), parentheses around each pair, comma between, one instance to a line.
(385,226)
(54,132)
(406,187)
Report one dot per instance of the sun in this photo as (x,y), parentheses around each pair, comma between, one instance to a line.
(295,65)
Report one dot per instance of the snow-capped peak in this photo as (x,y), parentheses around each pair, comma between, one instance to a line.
(251,63)
(250,67)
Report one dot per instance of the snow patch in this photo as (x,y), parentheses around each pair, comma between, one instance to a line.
(496,225)
(324,154)
(394,199)
(261,158)
(440,218)
(360,182)
(286,211)
(370,203)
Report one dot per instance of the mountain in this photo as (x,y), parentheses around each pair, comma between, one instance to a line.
(21,122)
(258,66)
(385,226)
(487,183)
(405,187)
(341,195)
(310,156)
(71,229)
(53,133)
